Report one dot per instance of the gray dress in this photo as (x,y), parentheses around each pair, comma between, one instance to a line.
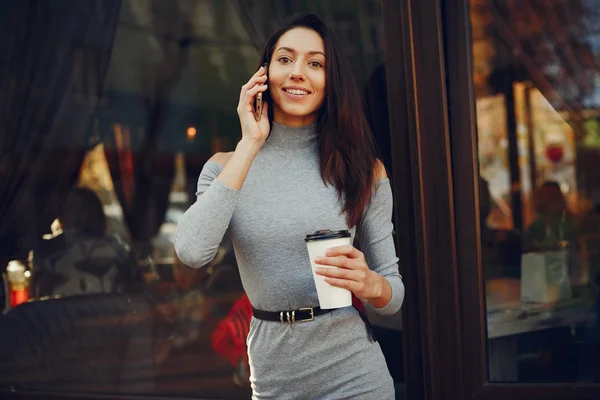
(282,200)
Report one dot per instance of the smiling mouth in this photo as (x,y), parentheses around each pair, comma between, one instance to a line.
(297,92)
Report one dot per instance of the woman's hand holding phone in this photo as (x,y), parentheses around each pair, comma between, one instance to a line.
(254,133)
(252,129)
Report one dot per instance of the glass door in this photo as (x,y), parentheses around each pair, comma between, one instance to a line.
(523,89)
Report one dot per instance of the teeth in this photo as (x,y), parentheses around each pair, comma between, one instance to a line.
(296,91)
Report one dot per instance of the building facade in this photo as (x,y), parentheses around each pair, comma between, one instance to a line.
(485,113)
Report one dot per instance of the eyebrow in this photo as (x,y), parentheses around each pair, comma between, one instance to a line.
(294,51)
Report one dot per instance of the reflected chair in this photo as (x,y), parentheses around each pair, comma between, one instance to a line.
(90,343)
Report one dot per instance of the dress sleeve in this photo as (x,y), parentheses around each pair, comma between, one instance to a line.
(377,243)
(201,228)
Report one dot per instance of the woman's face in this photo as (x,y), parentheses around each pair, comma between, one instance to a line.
(297,77)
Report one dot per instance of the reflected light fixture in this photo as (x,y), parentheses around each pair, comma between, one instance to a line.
(191,133)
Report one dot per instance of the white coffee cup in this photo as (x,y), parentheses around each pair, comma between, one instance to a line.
(329,296)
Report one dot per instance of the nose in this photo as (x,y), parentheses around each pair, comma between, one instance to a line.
(297,73)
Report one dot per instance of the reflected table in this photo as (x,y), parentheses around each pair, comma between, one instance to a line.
(508,317)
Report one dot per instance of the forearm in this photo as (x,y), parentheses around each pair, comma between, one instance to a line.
(378,243)
(235,172)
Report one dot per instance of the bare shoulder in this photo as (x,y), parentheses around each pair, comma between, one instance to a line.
(221,158)
(379,170)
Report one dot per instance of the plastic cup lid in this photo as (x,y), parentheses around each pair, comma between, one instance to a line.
(327,234)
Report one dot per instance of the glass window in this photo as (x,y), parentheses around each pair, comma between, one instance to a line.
(112,109)
(537,87)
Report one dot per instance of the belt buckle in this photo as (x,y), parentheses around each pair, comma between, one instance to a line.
(286,318)
(312,314)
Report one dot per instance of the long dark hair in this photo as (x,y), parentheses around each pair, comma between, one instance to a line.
(346,148)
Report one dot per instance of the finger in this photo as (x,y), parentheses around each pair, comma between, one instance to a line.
(253,92)
(339,273)
(256,80)
(253,82)
(344,283)
(339,261)
(249,87)
(261,71)
(348,250)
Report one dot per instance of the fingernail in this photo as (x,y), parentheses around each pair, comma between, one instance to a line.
(328,252)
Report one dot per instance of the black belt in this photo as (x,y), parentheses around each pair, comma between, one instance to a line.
(304,315)
(289,317)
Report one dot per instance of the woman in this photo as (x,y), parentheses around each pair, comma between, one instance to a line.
(308,164)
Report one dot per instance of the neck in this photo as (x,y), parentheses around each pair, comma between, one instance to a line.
(292,137)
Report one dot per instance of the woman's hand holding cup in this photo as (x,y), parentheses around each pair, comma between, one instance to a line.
(353,273)
(256,131)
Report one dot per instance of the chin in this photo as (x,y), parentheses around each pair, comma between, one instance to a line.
(298,112)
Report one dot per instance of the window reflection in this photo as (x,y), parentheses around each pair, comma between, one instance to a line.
(537,81)
(105,146)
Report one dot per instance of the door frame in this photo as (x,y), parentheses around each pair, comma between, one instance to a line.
(424,198)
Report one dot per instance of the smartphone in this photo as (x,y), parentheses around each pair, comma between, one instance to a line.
(258,100)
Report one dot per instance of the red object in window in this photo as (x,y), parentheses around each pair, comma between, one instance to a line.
(18,296)
(229,337)
(555,153)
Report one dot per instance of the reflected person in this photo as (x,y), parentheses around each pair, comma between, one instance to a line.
(82,259)
(500,249)
(553,224)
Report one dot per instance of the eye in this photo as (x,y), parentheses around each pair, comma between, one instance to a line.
(284,60)
(316,64)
